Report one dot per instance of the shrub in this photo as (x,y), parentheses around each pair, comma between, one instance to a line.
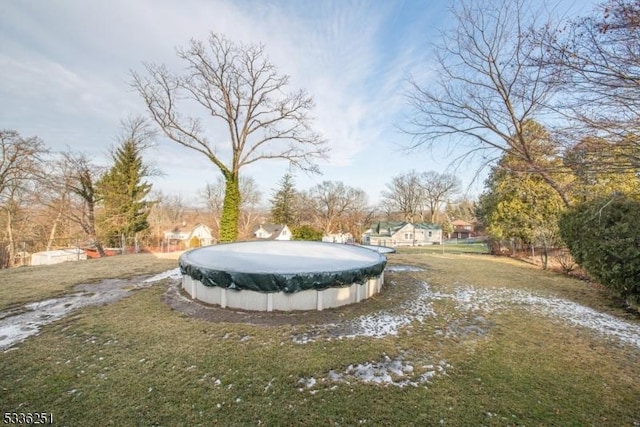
(604,238)
(566,261)
(306,232)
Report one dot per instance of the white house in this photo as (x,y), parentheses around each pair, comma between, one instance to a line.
(272,232)
(402,234)
(184,234)
(338,238)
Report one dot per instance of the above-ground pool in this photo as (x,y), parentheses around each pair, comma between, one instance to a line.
(282,275)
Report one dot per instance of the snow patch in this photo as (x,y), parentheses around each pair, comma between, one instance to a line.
(174,274)
(21,323)
(395,372)
(473,302)
(399,267)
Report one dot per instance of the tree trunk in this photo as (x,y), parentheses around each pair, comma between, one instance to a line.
(230,209)
(90,228)
(54,230)
(545,257)
(12,244)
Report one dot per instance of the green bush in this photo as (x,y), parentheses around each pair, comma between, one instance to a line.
(603,236)
(306,232)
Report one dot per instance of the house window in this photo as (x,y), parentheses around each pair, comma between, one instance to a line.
(408,236)
(430,234)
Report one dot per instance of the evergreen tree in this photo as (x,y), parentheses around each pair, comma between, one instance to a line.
(123,191)
(283,203)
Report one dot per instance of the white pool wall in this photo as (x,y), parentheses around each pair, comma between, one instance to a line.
(311,299)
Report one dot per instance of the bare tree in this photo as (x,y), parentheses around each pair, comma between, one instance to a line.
(21,162)
(249,207)
(55,197)
(437,188)
(166,212)
(486,87)
(81,179)
(213,197)
(597,60)
(333,202)
(405,194)
(238,87)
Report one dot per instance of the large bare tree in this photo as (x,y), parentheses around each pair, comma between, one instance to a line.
(485,86)
(234,85)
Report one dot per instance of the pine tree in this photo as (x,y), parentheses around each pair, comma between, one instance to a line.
(123,191)
(283,203)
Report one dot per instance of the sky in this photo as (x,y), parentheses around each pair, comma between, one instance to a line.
(66,78)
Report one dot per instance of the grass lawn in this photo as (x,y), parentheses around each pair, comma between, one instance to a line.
(31,283)
(447,248)
(138,362)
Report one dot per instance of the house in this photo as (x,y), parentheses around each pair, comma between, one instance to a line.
(393,233)
(272,232)
(189,235)
(461,229)
(338,238)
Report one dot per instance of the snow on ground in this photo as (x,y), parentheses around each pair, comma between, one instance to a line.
(19,324)
(398,267)
(470,299)
(474,302)
(396,372)
(383,323)
(381,249)
(174,274)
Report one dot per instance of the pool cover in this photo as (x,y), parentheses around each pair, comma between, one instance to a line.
(281,266)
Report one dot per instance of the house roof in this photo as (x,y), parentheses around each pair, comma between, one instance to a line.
(184,229)
(459,222)
(273,229)
(270,228)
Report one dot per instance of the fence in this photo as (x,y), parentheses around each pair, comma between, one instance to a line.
(24,250)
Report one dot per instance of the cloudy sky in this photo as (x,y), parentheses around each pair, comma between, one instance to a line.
(66,77)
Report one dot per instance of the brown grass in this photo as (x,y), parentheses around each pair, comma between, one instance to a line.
(137,362)
(26,284)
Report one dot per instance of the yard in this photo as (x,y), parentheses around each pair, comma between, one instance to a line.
(453,339)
